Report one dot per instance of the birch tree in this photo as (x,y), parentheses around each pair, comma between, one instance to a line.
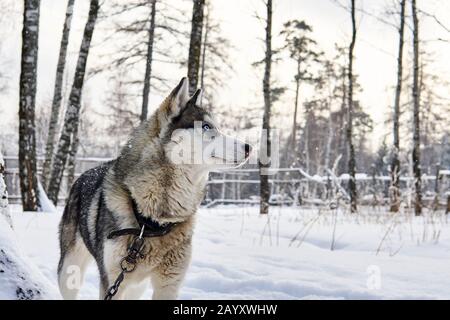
(27,101)
(73,109)
(195,44)
(395,164)
(416,114)
(71,164)
(351,148)
(57,95)
(265,142)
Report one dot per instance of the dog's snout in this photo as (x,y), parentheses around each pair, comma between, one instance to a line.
(248,148)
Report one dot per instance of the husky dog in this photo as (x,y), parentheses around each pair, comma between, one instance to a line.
(149,180)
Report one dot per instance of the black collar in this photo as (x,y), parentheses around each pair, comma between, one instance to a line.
(152,228)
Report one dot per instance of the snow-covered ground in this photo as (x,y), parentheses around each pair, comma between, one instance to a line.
(239,254)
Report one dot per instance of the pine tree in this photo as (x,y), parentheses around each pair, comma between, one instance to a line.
(302,50)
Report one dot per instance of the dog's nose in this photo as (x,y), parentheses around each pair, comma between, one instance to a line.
(248,148)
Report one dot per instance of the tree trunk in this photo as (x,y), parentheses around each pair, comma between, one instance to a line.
(329,138)
(148,67)
(195,44)
(306,150)
(416,112)
(203,65)
(351,149)
(73,110)
(27,138)
(395,165)
(57,96)
(342,125)
(264,164)
(72,156)
(293,145)
(436,188)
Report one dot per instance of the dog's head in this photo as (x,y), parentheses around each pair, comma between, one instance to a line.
(191,136)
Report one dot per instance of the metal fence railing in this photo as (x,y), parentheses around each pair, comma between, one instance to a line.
(289,186)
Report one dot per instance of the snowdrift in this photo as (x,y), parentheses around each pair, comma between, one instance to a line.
(19,278)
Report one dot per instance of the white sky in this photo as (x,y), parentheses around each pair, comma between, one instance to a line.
(375,50)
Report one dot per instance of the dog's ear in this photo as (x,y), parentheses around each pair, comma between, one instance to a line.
(178,98)
(196,97)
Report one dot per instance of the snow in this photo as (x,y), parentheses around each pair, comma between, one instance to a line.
(4,209)
(238,254)
(44,202)
(19,278)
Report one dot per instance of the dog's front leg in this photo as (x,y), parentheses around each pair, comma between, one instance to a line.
(168,276)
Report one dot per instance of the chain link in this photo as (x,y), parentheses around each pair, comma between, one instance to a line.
(128,264)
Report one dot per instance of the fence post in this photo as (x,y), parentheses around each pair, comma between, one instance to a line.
(328,186)
(374,185)
(223,186)
(448,205)
(436,187)
(239,187)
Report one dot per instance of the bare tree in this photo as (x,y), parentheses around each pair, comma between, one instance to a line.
(73,109)
(416,114)
(148,65)
(265,139)
(57,95)
(147,40)
(27,139)
(395,164)
(195,45)
(351,148)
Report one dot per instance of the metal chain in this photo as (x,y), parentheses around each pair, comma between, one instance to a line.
(128,263)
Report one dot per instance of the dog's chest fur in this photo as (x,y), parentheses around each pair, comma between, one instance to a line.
(167,194)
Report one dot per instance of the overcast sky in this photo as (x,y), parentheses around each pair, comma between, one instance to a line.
(375,50)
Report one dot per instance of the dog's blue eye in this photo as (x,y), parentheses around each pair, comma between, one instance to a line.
(206,127)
